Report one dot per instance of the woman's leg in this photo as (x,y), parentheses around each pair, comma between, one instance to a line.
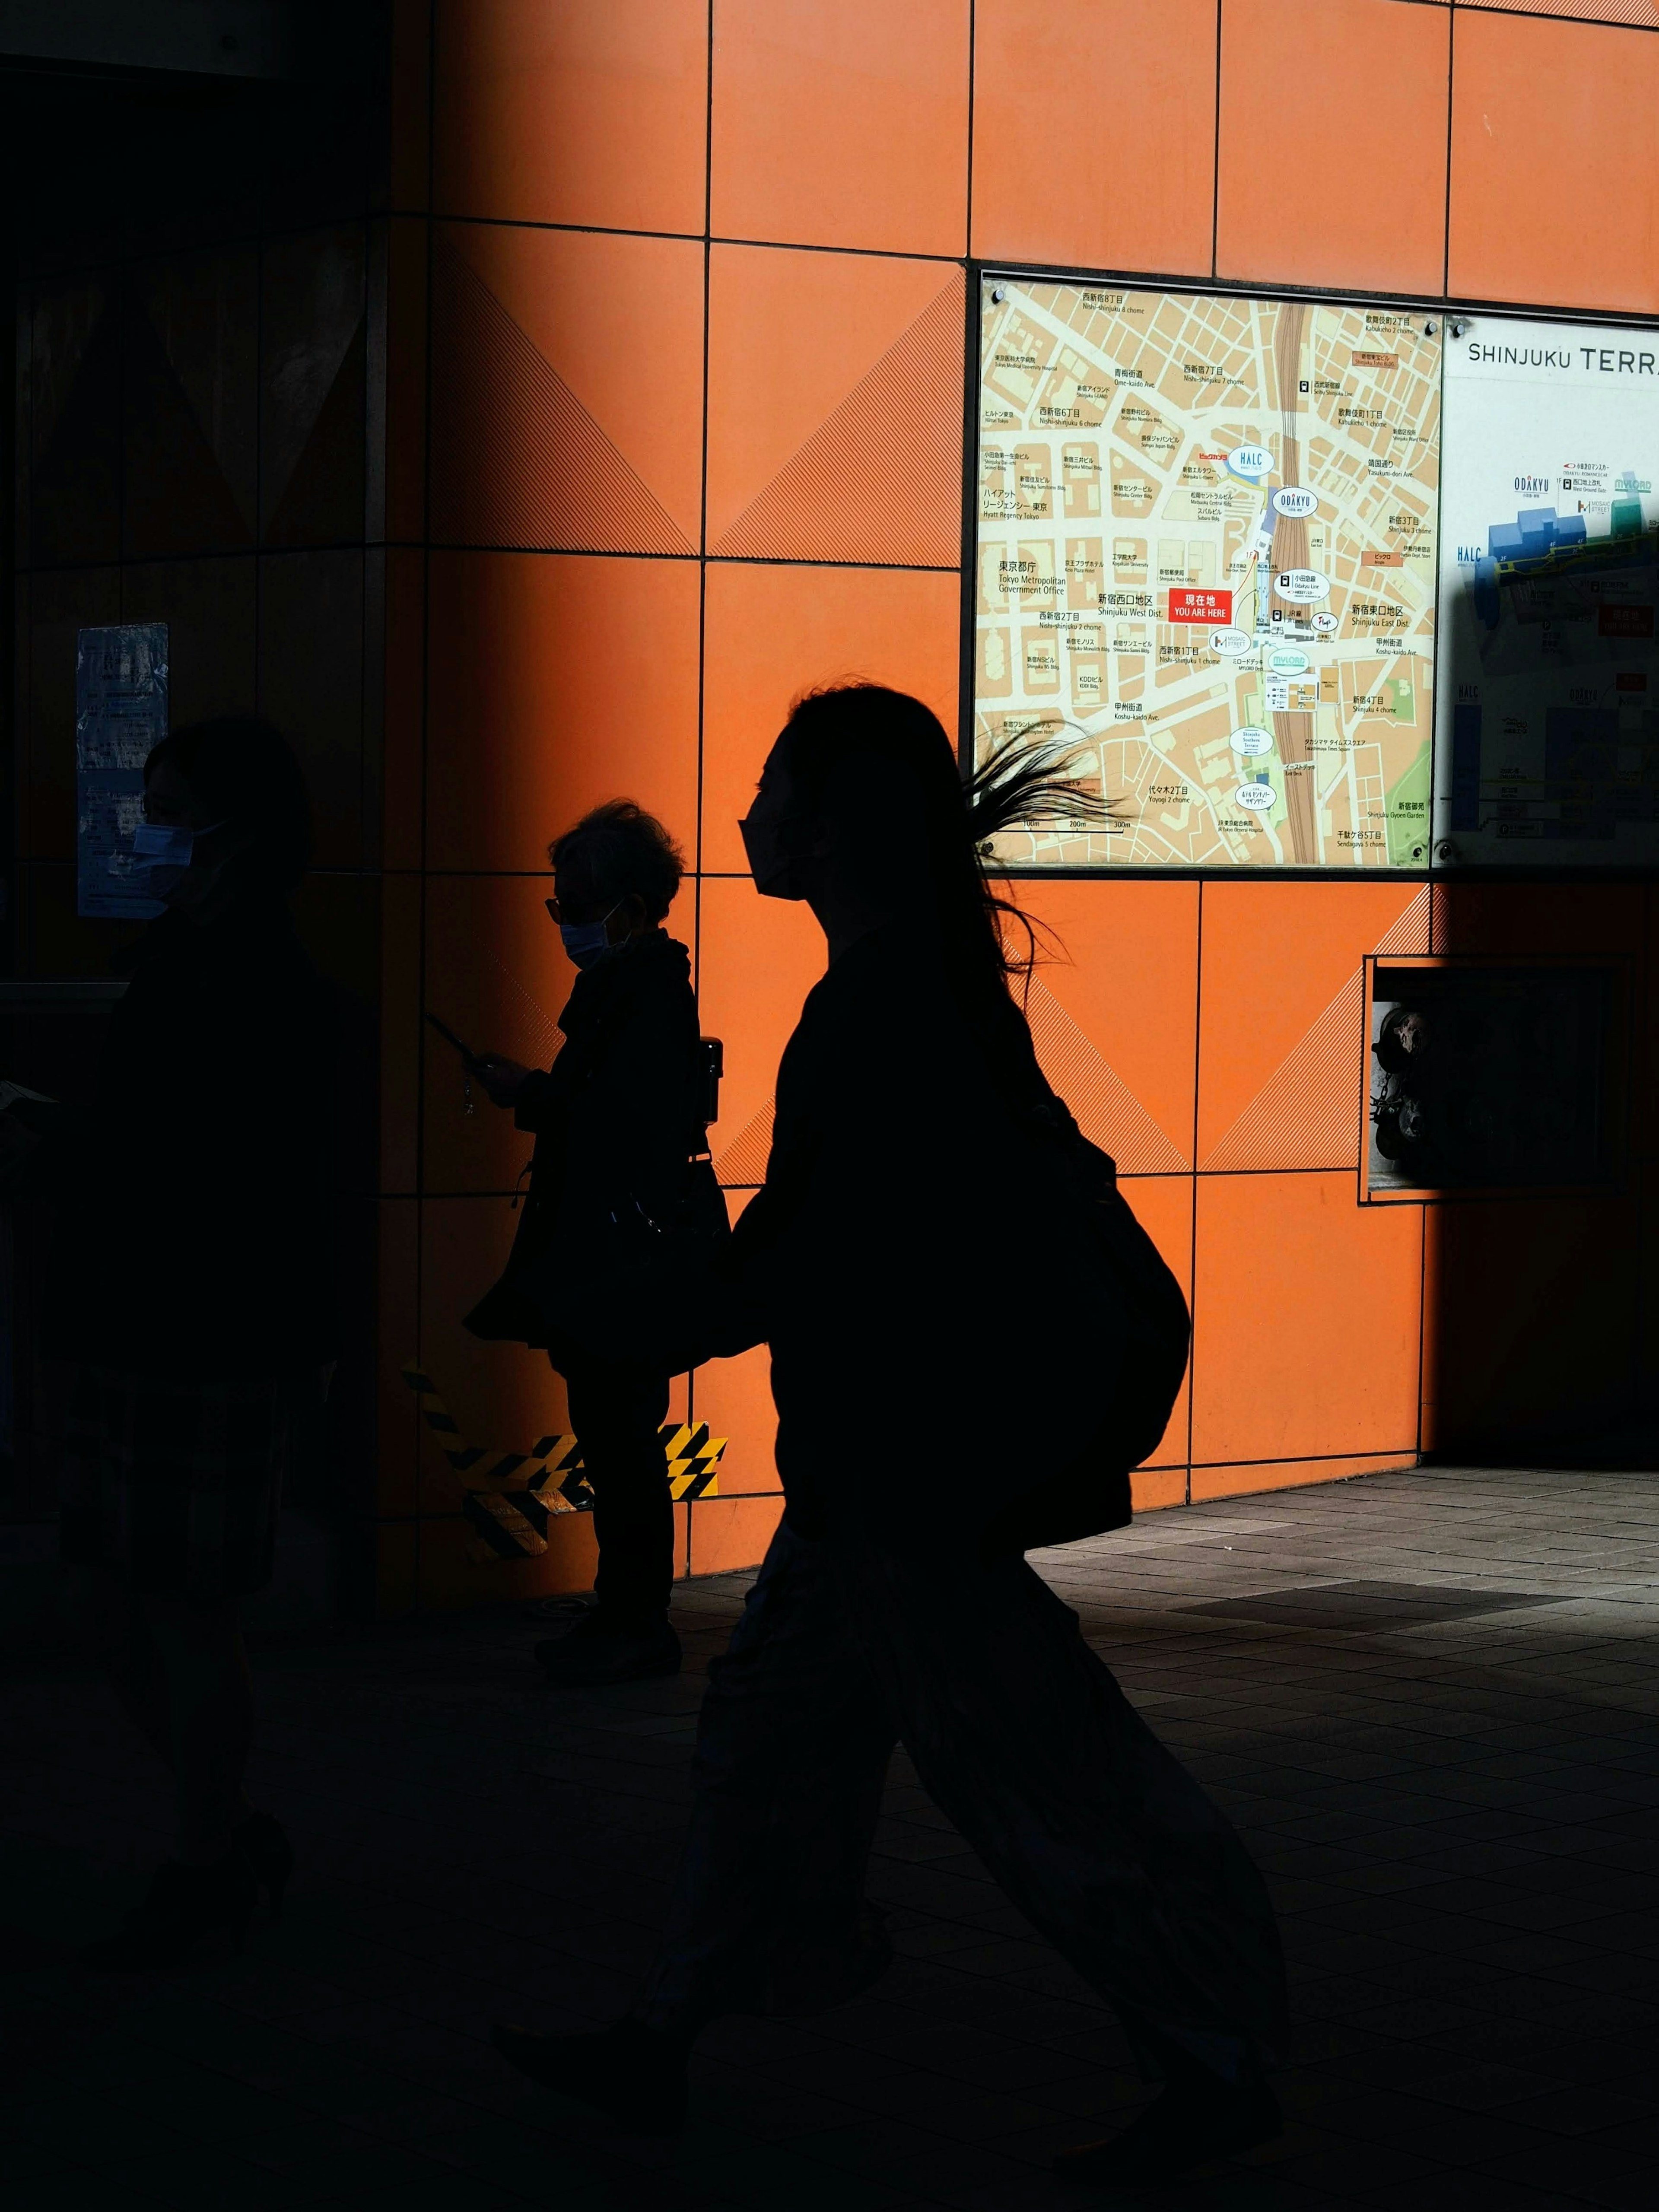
(208,1717)
(1094,1829)
(793,1747)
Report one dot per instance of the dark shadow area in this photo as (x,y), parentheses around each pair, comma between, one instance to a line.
(1456,1819)
(1539,1345)
(184,442)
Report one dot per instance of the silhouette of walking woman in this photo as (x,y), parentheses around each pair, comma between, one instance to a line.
(947,1277)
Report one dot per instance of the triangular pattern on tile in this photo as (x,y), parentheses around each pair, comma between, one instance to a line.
(1409,936)
(323,498)
(1105,1108)
(1307,1114)
(516,458)
(744,1161)
(881,479)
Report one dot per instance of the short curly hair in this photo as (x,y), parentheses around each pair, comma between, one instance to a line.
(616,851)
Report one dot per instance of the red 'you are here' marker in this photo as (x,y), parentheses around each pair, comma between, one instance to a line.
(1193,606)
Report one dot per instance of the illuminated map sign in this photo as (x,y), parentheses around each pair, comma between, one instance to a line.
(1548,747)
(1206,547)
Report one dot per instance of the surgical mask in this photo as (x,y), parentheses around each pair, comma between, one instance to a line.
(585,941)
(771,867)
(158,845)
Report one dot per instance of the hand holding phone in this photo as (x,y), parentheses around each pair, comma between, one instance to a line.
(502,1078)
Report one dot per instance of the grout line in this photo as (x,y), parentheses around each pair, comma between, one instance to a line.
(1445,257)
(1192,1261)
(1215,155)
(418,1332)
(702,597)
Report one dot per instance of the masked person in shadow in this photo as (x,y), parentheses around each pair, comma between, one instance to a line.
(192,1294)
(943,1270)
(617,1121)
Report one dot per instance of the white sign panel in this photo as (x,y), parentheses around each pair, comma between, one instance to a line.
(1547,729)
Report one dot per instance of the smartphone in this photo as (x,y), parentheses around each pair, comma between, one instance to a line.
(469,1058)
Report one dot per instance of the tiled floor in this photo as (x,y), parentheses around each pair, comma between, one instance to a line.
(1458,1817)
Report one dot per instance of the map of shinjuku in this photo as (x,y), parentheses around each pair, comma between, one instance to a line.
(1206,548)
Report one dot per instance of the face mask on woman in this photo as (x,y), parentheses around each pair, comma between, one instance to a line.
(163,852)
(585,941)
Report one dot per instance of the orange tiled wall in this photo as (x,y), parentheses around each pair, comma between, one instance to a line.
(675,419)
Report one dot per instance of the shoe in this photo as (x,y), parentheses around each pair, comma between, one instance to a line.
(1187,2125)
(261,1843)
(186,1912)
(632,2074)
(596,1652)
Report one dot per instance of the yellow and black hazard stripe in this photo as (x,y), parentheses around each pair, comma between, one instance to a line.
(509,1497)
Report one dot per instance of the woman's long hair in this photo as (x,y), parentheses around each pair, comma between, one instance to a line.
(860,747)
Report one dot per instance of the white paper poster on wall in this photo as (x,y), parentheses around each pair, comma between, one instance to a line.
(120,714)
(1547,729)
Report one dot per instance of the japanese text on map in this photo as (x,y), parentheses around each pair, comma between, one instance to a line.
(1206,547)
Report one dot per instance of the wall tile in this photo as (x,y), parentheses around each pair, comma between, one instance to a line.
(73,429)
(1289,1473)
(758,959)
(1305,1314)
(556,683)
(1282,1068)
(727,1533)
(1333,143)
(1521,88)
(1153,1488)
(407,294)
(313,389)
(734,1396)
(1164,1206)
(496,973)
(54,939)
(567,389)
(212,646)
(827,372)
(771,632)
(403,1035)
(1531,1322)
(556,111)
(311,685)
(409,103)
(842,126)
(54,606)
(1114,1012)
(1106,199)
(1635,14)
(397,1334)
(403,743)
(189,403)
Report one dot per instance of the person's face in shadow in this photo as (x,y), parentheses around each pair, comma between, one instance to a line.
(788,849)
(170,803)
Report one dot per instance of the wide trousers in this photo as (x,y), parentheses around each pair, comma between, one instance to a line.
(616,1412)
(1021,1736)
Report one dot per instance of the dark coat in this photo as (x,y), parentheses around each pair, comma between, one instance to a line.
(196,1215)
(970,1333)
(616,1121)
